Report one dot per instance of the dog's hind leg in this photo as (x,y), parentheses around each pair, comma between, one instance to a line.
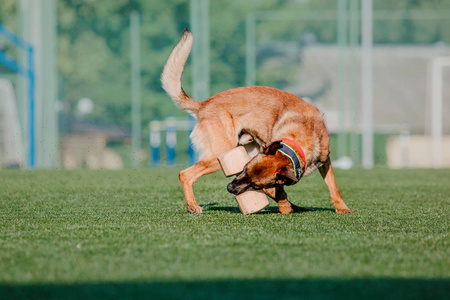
(326,170)
(190,175)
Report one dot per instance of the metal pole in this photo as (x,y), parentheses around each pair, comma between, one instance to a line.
(366,83)
(31,111)
(342,76)
(250,50)
(354,81)
(436,111)
(199,15)
(22,81)
(205,50)
(32,33)
(194,16)
(200,49)
(437,86)
(136,130)
(49,122)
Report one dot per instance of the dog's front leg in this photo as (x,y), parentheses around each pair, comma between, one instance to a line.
(284,205)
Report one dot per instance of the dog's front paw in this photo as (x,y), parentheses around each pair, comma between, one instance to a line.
(285,207)
(195,209)
(286,210)
(344,211)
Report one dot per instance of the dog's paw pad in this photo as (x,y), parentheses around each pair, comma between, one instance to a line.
(195,210)
(285,210)
(344,211)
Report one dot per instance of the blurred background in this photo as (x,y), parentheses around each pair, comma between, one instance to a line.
(80,88)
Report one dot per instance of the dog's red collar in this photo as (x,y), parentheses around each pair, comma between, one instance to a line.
(299,149)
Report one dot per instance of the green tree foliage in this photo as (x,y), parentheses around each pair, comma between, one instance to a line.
(8,18)
(8,15)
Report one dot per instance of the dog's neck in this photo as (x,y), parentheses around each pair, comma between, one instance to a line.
(295,153)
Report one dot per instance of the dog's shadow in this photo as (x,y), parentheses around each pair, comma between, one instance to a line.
(269,210)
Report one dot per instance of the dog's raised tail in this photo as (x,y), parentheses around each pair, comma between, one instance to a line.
(171,75)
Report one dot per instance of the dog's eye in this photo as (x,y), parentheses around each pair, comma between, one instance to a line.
(280,179)
(256,187)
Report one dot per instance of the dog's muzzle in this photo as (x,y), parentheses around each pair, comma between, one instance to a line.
(230,188)
(237,188)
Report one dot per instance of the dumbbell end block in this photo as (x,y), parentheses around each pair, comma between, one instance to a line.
(233,161)
(252,201)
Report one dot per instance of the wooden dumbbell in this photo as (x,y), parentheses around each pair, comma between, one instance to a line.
(232,163)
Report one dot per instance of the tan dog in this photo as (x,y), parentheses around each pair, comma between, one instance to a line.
(292,134)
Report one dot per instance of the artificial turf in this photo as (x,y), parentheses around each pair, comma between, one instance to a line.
(126,235)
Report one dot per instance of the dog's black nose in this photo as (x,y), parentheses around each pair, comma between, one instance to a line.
(230,188)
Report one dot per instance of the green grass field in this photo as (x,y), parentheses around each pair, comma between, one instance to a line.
(126,235)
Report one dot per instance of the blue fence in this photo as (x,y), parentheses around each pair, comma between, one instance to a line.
(28,72)
(170,126)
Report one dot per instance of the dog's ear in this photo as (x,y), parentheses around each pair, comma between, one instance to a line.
(272,148)
(288,176)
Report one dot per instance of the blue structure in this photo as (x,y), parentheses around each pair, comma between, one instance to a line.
(155,143)
(171,140)
(191,151)
(28,72)
(156,127)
